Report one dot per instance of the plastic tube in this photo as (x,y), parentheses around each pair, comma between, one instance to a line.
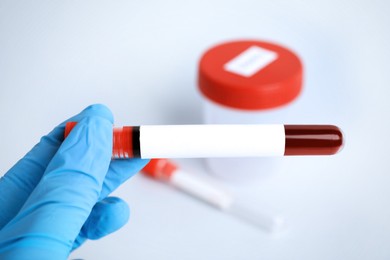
(202,141)
(166,171)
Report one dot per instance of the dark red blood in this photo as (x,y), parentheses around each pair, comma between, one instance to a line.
(312,139)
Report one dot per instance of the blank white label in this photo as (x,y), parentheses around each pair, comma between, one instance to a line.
(251,61)
(206,141)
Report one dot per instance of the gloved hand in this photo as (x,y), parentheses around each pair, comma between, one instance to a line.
(55,198)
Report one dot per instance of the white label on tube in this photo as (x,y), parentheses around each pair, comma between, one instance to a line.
(251,61)
(207,141)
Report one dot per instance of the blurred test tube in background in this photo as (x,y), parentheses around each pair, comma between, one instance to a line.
(168,172)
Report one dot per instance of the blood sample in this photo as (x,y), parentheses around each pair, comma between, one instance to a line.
(203,141)
(167,172)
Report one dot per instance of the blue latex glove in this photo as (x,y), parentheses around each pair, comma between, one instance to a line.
(55,198)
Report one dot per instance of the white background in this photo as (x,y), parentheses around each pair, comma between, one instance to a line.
(140,58)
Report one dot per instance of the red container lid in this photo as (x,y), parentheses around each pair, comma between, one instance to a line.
(250,75)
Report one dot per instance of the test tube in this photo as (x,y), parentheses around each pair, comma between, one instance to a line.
(211,141)
(168,172)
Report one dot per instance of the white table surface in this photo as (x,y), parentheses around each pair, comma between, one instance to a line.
(140,59)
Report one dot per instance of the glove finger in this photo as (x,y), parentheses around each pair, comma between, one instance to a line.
(17,184)
(107,216)
(119,172)
(80,240)
(63,199)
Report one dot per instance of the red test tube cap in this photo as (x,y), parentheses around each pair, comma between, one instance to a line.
(161,169)
(68,127)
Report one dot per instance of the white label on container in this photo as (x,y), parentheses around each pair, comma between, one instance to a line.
(251,61)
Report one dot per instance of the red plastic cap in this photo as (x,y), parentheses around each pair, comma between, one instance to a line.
(68,127)
(270,76)
(161,169)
